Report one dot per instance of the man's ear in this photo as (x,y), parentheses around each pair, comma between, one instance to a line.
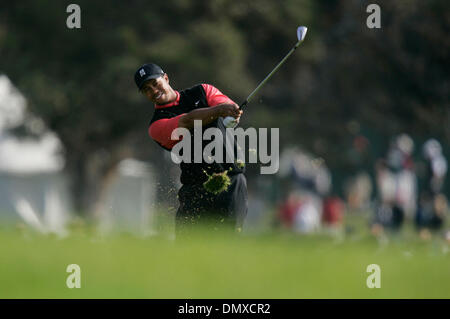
(166,77)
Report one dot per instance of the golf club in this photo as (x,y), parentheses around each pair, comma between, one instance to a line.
(230,121)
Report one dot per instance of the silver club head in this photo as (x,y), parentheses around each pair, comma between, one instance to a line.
(301,33)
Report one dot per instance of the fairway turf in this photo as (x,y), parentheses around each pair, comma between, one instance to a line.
(217,265)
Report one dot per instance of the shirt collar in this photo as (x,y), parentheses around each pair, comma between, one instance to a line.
(174,103)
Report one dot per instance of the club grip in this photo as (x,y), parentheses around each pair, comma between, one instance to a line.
(230,121)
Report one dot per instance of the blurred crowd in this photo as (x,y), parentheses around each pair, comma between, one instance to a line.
(310,204)
(403,188)
(399,196)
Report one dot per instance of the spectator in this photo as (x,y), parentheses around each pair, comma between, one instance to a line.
(432,207)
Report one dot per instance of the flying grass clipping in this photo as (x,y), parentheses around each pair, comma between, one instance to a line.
(217,182)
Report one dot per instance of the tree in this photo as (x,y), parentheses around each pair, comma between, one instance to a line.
(80,81)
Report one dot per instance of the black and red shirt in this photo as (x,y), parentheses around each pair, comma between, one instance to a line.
(165,120)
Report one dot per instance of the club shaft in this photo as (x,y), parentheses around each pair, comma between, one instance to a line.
(270,74)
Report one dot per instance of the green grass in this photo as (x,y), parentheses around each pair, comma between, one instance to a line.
(216,265)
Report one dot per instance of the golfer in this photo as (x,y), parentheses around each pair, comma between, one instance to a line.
(175,109)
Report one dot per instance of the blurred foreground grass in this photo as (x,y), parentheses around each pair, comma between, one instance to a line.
(217,265)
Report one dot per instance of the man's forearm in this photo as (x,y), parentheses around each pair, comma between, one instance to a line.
(206,115)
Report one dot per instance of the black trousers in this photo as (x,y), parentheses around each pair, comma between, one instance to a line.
(199,207)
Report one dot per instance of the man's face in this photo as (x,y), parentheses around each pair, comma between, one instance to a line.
(158,90)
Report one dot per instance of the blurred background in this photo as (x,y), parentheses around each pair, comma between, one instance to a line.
(364,114)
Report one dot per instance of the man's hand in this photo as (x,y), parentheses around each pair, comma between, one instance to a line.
(229,110)
(209,114)
(230,113)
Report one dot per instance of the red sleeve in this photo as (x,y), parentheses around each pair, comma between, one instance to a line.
(214,96)
(161,131)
